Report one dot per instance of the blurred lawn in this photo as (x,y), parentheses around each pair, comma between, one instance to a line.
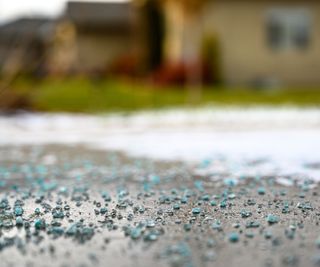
(84,95)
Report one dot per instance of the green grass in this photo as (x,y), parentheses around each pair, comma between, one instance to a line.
(84,95)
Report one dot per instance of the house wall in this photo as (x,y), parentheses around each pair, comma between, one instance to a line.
(98,51)
(240,27)
(62,50)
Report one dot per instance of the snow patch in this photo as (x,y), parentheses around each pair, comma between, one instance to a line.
(286,139)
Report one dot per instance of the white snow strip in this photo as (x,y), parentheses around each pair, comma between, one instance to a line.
(287,137)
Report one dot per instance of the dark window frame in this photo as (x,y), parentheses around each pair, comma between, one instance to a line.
(288,28)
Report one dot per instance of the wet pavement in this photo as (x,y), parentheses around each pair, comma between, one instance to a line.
(74,206)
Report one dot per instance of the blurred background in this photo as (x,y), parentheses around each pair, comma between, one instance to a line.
(99,56)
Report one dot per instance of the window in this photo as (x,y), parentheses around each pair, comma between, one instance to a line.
(288,28)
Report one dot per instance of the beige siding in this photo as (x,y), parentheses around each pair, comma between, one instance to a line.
(241,29)
(61,53)
(96,51)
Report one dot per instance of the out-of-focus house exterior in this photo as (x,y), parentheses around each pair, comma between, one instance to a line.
(260,41)
(104,33)
(89,37)
(23,45)
(103,37)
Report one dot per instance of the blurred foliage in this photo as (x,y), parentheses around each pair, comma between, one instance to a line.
(94,95)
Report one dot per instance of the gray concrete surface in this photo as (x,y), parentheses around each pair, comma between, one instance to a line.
(149,219)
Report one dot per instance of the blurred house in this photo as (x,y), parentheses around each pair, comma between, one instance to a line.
(258,42)
(103,33)
(23,45)
(108,37)
(90,37)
